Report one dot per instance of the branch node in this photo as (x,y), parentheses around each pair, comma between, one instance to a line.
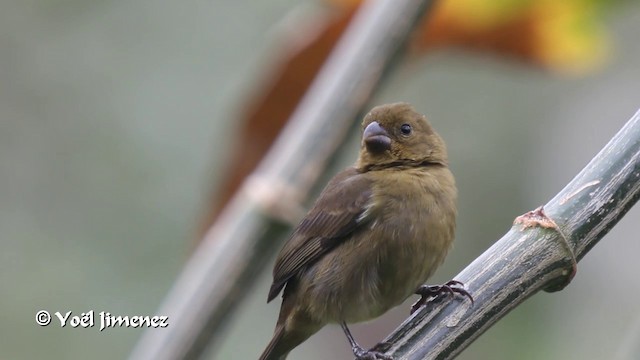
(535,218)
(538,218)
(278,200)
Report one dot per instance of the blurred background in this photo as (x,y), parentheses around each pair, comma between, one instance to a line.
(117,124)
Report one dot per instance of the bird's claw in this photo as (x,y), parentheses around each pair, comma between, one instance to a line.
(362,354)
(428,292)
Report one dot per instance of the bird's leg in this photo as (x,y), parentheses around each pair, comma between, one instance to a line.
(359,352)
(427,292)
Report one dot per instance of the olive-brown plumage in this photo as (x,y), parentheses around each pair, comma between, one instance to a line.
(375,234)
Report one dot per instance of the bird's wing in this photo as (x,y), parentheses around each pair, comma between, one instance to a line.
(340,209)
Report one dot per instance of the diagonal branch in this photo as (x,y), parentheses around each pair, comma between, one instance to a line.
(540,252)
(235,249)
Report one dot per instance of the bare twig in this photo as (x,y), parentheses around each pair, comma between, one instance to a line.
(540,252)
(233,251)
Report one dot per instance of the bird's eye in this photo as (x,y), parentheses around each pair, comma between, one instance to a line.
(405,129)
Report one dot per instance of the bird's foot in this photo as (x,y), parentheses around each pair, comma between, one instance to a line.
(362,354)
(428,292)
(359,352)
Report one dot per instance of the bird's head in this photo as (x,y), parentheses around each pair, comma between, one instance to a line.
(396,135)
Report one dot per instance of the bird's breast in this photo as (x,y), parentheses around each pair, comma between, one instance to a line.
(406,237)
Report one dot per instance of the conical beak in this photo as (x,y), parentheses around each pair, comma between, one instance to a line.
(376,138)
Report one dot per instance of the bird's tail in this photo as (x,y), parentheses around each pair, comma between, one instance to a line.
(274,350)
(284,340)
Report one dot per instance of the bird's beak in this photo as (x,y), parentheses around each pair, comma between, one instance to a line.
(376,138)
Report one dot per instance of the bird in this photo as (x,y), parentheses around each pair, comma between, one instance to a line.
(373,237)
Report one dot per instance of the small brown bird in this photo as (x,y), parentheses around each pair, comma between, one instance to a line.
(375,234)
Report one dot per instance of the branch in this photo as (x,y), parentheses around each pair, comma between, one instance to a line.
(236,248)
(540,252)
